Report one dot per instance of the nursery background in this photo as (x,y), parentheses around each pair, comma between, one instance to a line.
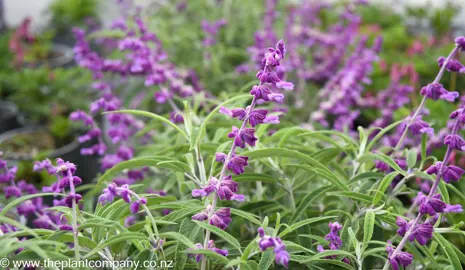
(232,134)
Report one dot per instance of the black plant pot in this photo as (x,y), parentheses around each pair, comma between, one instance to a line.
(60,56)
(9,116)
(88,166)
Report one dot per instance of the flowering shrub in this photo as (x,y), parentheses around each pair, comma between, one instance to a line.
(234,181)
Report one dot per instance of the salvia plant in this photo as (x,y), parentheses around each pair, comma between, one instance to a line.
(234,181)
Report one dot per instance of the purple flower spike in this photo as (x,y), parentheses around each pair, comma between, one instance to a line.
(437,91)
(335,241)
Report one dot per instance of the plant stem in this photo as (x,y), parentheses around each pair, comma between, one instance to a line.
(74,217)
(431,193)
(223,171)
(423,101)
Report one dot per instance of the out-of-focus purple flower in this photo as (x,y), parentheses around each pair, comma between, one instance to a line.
(460,41)
(454,141)
(436,91)
(335,241)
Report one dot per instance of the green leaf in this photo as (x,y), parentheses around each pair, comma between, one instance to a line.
(190,230)
(449,250)
(307,200)
(122,237)
(226,236)
(246,215)
(384,158)
(383,185)
(368,227)
(155,161)
(248,250)
(362,197)
(282,152)
(254,177)
(299,224)
(153,116)
(445,194)
(17,201)
(266,260)
(178,237)
(412,158)
(428,254)
(210,254)
(381,134)
(342,135)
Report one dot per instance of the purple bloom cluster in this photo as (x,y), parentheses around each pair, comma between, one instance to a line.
(343,92)
(335,241)
(224,186)
(112,191)
(432,203)
(279,248)
(210,246)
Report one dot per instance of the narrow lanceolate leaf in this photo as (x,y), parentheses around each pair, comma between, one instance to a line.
(211,255)
(412,158)
(21,199)
(383,185)
(299,224)
(155,161)
(122,237)
(307,200)
(226,236)
(178,237)
(266,260)
(368,227)
(384,158)
(449,250)
(153,116)
(282,152)
(190,230)
(381,133)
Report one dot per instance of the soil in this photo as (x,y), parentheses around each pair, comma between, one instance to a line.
(29,143)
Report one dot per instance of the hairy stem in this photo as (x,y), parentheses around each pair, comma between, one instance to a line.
(423,101)
(74,217)
(431,193)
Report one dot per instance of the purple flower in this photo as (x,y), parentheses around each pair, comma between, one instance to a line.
(221,218)
(401,258)
(450,173)
(422,232)
(210,246)
(421,127)
(454,141)
(65,228)
(460,41)
(257,116)
(245,136)
(335,241)
(237,163)
(431,205)
(436,91)
(265,242)
(11,191)
(453,65)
